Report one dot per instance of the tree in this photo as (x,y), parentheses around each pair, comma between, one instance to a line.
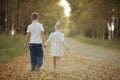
(15,14)
(91,17)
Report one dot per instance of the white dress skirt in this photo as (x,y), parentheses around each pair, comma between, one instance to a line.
(57,41)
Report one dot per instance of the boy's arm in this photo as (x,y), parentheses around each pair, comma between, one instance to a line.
(26,39)
(43,36)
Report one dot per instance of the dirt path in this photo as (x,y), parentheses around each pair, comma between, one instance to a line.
(72,67)
(95,52)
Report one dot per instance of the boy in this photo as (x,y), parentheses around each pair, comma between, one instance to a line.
(36,32)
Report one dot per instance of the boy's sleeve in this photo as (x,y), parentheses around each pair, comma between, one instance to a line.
(28,29)
(42,29)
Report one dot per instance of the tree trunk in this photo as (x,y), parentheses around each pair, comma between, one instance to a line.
(2,16)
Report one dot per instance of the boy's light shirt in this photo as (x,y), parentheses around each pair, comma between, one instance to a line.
(35,29)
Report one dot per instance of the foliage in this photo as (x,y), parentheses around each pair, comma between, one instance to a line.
(17,13)
(115,44)
(10,47)
(90,17)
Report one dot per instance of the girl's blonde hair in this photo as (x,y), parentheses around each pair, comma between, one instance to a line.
(58,25)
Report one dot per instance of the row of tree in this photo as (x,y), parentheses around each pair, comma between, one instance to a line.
(96,18)
(15,14)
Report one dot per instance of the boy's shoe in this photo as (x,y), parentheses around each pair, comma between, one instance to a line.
(32,69)
(38,68)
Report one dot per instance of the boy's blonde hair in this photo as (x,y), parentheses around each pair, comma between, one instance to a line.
(34,15)
(58,25)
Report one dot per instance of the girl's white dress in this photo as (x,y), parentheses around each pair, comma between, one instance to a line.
(57,42)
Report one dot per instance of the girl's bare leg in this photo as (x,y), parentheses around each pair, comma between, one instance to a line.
(56,62)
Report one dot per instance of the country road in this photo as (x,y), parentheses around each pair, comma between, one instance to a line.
(94,52)
(81,62)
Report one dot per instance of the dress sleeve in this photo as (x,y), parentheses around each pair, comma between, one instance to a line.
(63,41)
(49,39)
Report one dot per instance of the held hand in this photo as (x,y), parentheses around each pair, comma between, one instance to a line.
(67,49)
(45,46)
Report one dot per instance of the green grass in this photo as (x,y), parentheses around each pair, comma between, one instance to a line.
(115,44)
(10,47)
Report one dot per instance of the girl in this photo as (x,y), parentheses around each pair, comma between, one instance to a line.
(57,40)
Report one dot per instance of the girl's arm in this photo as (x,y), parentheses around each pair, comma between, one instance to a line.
(48,40)
(63,41)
